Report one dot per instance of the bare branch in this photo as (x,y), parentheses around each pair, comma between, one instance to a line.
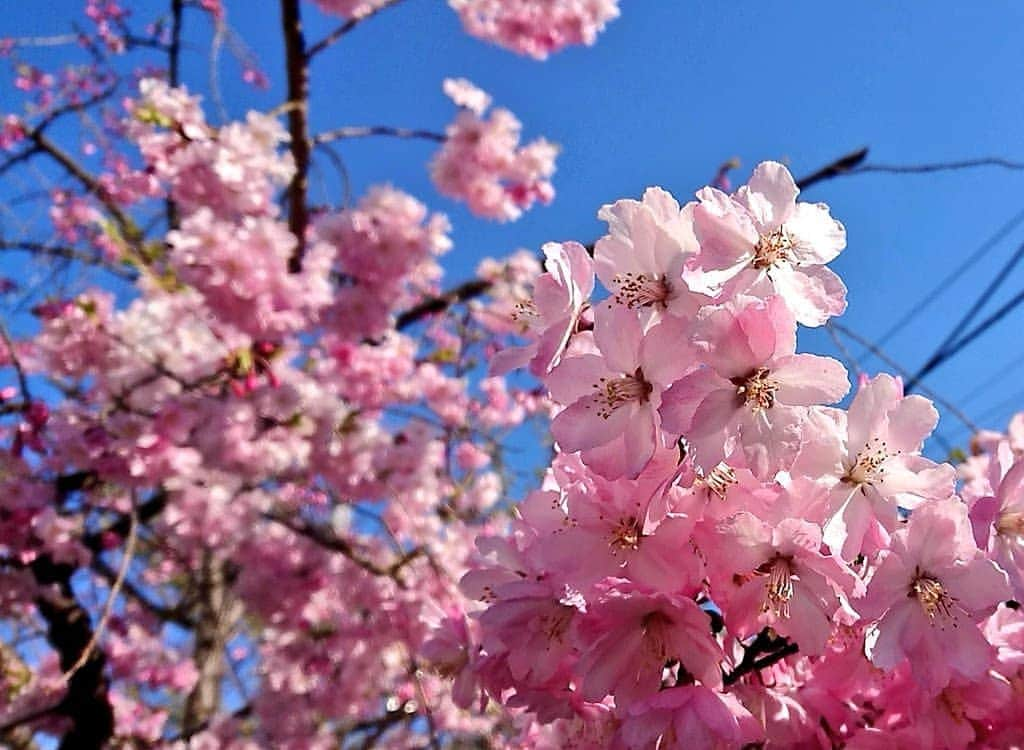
(68,253)
(297,69)
(345,28)
(115,590)
(363,131)
(26,394)
(942,166)
(343,546)
(843,165)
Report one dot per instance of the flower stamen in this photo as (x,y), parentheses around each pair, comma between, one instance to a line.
(614,392)
(641,290)
(772,249)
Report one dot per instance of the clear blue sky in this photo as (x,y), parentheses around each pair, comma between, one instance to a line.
(672,89)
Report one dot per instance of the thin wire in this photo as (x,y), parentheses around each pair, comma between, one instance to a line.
(947,282)
(878,352)
(998,375)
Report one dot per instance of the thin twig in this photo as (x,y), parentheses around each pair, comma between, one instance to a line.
(345,28)
(26,394)
(943,166)
(115,590)
(363,131)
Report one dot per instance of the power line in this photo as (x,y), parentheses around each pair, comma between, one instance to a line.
(878,352)
(998,375)
(944,285)
(953,345)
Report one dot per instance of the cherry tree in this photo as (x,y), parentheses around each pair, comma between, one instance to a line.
(255,471)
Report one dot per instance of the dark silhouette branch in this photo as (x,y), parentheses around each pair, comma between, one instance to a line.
(345,28)
(297,71)
(766,649)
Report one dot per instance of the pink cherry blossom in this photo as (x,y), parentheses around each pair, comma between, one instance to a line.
(483,163)
(628,637)
(536,27)
(754,390)
(685,717)
(552,315)
(612,395)
(931,588)
(641,260)
(761,240)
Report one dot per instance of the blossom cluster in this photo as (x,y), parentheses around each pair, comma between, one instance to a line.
(536,28)
(483,163)
(719,554)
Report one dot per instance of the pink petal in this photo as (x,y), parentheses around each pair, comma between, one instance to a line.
(807,379)
(770,195)
(580,426)
(813,293)
(818,237)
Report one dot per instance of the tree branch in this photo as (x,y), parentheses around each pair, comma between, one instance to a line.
(362,131)
(345,28)
(766,649)
(70,633)
(297,70)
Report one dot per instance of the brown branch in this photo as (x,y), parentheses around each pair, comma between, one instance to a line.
(297,69)
(477,287)
(336,543)
(88,181)
(766,649)
(174,48)
(68,253)
(843,165)
(464,292)
(345,28)
(115,590)
(26,394)
(69,632)
(217,613)
(363,131)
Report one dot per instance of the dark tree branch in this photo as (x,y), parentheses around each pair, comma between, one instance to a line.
(766,649)
(842,165)
(478,287)
(345,28)
(174,48)
(462,293)
(342,546)
(297,70)
(69,253)
(945,166)
(70,633)
(87,181)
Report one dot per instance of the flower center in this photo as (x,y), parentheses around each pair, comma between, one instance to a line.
(614,392)
(757,390)
(868,467)
(779,588)
(1011,524)
(525,314)
(626,534)
(555,622)
(654,627)
(932,597)
(772,249)
(641,290)
(720,479)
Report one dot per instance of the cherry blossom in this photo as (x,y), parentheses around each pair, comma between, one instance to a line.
(761,238)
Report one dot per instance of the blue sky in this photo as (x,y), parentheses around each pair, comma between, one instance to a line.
(674,88)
